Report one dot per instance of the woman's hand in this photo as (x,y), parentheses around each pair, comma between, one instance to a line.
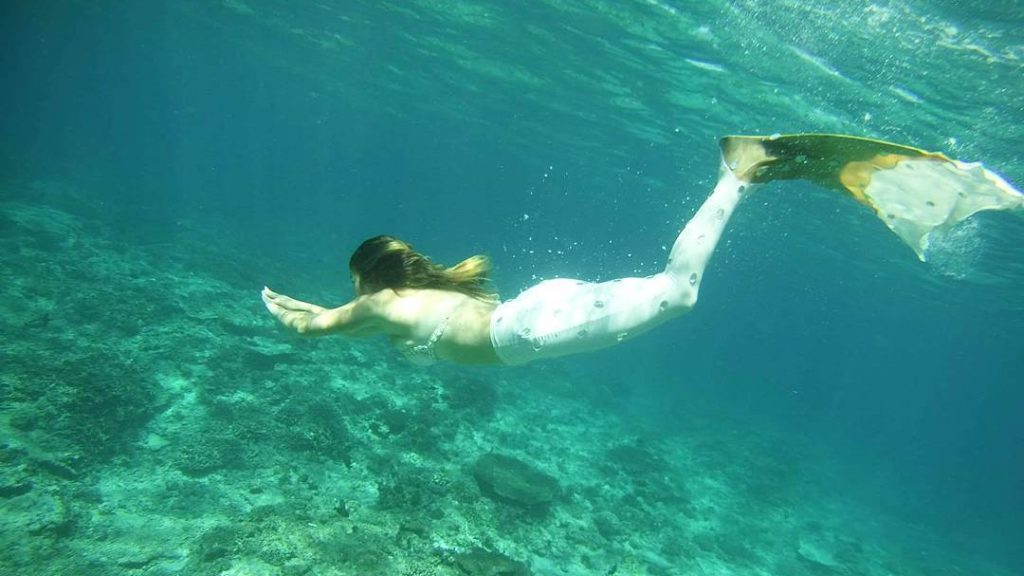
(295,314)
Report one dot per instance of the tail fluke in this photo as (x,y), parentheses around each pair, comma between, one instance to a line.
(913,191)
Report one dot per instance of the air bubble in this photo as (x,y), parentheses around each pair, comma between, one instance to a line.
(524,333)
(720,213)
(741,189)
(663,306)
(621,336)
(693,279)
(930,204)
(537,345)
(581,334)
(598,303)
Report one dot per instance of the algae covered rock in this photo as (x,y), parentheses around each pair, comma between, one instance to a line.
(479,562)
(513,481)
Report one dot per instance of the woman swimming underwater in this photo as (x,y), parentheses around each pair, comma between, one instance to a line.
(433,313)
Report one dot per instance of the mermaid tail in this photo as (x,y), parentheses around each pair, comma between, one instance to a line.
(914,192)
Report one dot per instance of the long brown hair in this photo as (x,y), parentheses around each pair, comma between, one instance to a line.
(387,262)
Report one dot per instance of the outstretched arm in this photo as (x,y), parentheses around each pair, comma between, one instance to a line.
(354,318)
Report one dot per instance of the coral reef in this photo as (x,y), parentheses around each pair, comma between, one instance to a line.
(143,434)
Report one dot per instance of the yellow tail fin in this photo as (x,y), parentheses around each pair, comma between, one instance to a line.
(913,191)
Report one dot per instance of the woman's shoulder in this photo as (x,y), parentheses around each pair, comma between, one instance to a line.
(427,294)
(431,301)
(407,299)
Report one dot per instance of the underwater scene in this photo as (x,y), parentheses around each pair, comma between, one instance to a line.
(834,405)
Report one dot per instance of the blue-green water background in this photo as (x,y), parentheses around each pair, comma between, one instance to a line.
(569,138)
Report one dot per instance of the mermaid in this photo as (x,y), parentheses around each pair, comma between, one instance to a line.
(431,312)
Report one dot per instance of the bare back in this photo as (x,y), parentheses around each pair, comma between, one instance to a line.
(411,316)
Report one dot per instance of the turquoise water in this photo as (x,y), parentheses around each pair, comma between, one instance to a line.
(832,405)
